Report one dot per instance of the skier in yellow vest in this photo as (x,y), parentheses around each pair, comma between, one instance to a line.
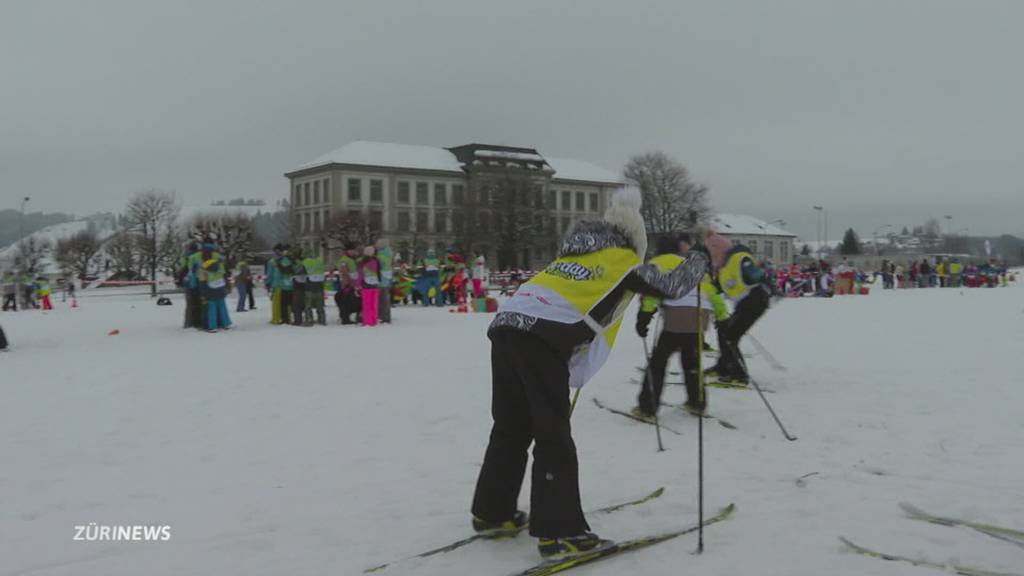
(553,334)
(680,331)
(744,282)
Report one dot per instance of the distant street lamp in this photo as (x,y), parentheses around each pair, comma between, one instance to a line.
(949,224)
(821,211)
(21,221)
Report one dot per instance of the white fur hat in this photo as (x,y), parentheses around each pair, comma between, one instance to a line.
(624,212)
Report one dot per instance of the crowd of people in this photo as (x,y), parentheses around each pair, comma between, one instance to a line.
(366,281)
(825,280)
(32,292)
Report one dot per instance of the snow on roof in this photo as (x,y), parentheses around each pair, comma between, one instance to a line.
(570,169)
(509,155)
(389,155)
(743,224)
(366,153)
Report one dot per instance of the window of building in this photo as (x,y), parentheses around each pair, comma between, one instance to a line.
(538,223)
(440,222)
(457,222)
(753,246)
(316,191)
(538,196)
(458,194)
(377,191)
(404,220)
(403,193)
(305,194)
(581,201)
(327,190)
(297,196)
(376,220)
(440,194)
(422,221)
(769,249)
(552,200)
(566,222)
(784,251)
(355,190)
(484,197)
(566,201)
(594,202)
(305,222)
(422,194)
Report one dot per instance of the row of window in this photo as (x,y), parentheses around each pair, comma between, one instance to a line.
(769,249)
(312,193)
(316,192)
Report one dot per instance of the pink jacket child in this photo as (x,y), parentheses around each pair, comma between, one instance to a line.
(369,280)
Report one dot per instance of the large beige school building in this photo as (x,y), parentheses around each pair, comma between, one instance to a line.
(430,197)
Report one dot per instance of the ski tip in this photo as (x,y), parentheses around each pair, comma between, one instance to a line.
(658,492)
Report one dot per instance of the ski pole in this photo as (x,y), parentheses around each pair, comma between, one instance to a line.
(654,401)
(700,422)
(735,350)
(767,355)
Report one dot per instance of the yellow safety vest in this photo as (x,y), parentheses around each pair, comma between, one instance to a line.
(568,290)
(667,263)
(730,276)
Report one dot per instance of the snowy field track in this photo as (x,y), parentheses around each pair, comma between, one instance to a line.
(292,451)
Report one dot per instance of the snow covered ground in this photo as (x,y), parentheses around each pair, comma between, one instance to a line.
(308,451)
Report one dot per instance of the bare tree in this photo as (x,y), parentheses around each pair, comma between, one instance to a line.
(671,198)
(124,254)
(234,234)
(77,254)
(30,253)
(505,209)
(151,216)
(349,227)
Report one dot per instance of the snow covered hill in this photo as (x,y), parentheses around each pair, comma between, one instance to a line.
(53,233)
(310,451)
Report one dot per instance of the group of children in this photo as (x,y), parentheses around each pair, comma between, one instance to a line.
(203,276)
(367,281)
(35,293)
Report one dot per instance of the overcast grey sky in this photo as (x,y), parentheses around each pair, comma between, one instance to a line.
(885,112)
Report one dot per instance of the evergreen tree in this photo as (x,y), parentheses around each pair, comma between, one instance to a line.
(851,244)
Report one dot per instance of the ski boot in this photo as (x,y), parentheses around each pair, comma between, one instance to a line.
(640,414)
(559,548)
(694,404)
(501,529)
(734,379)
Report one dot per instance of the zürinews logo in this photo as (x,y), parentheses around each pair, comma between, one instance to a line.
(93,532)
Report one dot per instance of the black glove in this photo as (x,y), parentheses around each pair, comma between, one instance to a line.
(643,319)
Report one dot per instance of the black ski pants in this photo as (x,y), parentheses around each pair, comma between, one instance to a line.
(668,344)
(530,403)
(748,311)
(11,302)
